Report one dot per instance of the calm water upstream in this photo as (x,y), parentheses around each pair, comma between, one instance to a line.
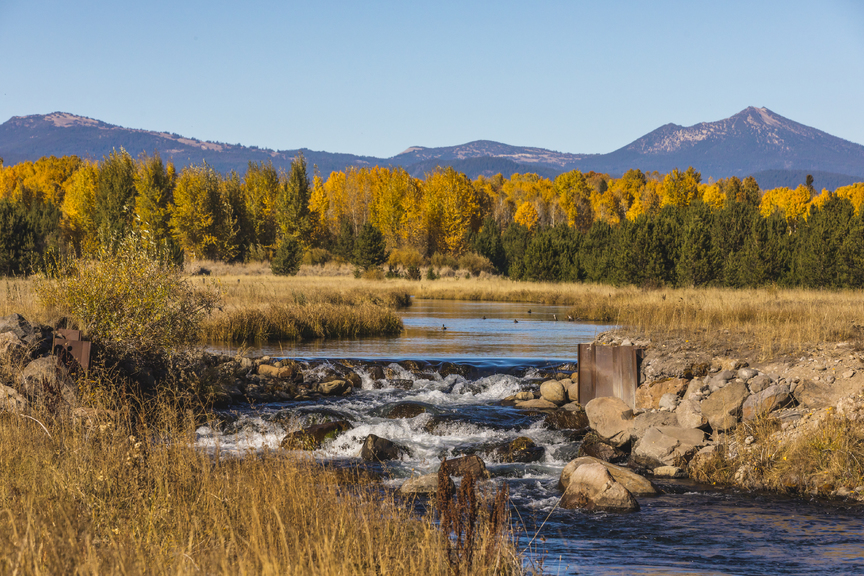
(690,529)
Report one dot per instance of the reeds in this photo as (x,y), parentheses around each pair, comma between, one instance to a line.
(113,494)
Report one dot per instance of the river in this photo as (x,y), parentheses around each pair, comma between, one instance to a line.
(690,529)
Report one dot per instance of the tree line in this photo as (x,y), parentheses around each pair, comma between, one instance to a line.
(640,228)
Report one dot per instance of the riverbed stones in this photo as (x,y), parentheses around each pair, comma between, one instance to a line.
(426,484)
(636,484)
(573,391)
(553,391)
(571,416)
(405,410)
(334,388)
(648,396)
(538,404)
(592,487)
(667,446)
(723,407)
(522,449)
(612,419)
(377,449)
(463,465)
(768,400)
(312,437)
(669,472)
(594,447)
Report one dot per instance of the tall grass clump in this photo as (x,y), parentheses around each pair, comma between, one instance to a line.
(127,298)
(111,493)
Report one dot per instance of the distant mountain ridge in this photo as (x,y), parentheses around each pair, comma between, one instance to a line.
(754,141)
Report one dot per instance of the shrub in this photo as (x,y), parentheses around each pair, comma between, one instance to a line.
(475,264)
(441,260)
(317,257)
(405,257)
(129,298)
(286,260)
(431,275)
(412,273)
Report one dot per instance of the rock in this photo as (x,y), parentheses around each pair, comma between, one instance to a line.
(723,407)
(567,419)
(376,373)
(689,414)
(20,327)
(401,383)
(635,484)
(768,400)
(573,392)
(11,400)
(405,410)
(334,388)
(312,437)
(694,388)
(553,391)
(612,419)
(592,487)
(462,465)
(523,396)
(648,396)
(43,381)
(667,446)
(647,420)
(427,484)
(11,346)
(594,447)
(746,374)
(522,449)
(269,370)
(848,374)
(759,383)
(669,401)
(670,472)
(726,375)
(539,404)
(377,449)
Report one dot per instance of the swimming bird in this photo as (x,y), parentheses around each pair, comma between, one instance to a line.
(484,317)
(515,321)
(569,318)
(529,310)
(554,317)
(443,327)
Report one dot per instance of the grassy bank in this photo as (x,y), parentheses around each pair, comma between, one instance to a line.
(104,497)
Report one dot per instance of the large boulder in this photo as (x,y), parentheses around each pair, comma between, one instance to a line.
(592,446)
(335,388)
(612,419)
(689,414)
(553,391)
(405,410)
(538,404)
(723,407)
(377,449)
(42,381)
(667,446)
(635,484)
(592,487)
(648,396)
(427,484)
(312,437)
(522,449)
(768,400)
(10,400)
(463,465)
(642,422)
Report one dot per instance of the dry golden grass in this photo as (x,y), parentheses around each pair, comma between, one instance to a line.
(107,497)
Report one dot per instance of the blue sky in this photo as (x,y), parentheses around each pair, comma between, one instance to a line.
(377,77)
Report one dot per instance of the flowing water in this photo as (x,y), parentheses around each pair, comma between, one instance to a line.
(690,529)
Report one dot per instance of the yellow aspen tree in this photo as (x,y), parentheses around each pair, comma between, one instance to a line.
(154,182)
(574,196)
(455,209)
(792,204)
(260,189)
(334,190)
(854,193)
(77,221)
(526,215)
(713,196)
(680,188)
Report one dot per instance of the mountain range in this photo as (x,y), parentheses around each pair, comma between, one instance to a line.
(756,141)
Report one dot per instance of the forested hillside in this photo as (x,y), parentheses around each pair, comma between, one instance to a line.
(641,228)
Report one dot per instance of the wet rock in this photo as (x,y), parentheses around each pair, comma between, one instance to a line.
(411,365)
(567,419)
(377,449)
(448,368)
(427,484)
(401,383)
(553,391)
(594,447)
(592,487)
(538,404)
(768,400)
(462,465)
(354,379)
(522,396)
(612,419)
(670,472)
(314,436)
(522,449)
(723,407)
(405,410)
(648,396)
(334,388)
(376,372)
(667,446)
(689,414)
(11,400)
(635,484)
